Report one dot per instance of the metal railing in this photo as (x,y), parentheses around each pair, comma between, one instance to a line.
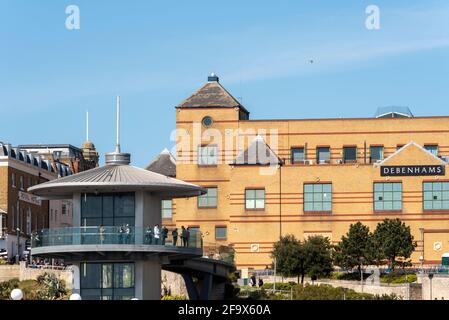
(112,235)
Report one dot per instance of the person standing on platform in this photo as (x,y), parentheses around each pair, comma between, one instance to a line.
(174,234)
(157,234)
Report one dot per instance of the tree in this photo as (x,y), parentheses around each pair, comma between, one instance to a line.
(318,256)
(354,249)
(393,240)
(289,255)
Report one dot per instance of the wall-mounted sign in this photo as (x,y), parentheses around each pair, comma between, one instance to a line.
(437,170)
(29,198)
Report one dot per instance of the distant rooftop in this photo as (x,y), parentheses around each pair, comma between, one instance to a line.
(48,146)
(163,164)
(394,112)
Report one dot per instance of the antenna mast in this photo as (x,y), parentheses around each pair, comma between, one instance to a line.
(117,144)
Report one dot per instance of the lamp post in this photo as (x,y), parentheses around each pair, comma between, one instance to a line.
(18,245)
(430,284)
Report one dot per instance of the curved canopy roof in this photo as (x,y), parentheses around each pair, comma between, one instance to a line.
(116,178)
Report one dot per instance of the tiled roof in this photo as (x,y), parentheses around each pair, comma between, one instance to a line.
(163,164)
(212,94)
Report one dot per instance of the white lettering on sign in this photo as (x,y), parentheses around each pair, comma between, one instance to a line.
(29,198)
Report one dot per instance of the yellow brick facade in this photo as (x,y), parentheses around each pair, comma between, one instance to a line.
(253,232)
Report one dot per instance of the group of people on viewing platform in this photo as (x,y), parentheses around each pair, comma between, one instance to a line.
(153,235)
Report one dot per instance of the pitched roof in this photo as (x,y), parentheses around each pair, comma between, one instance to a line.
(116,178)
(163,164)
(393,112)
(258,153)
(408,145)
(212,94)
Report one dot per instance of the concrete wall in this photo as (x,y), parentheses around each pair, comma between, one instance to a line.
(440,287)
(8,272)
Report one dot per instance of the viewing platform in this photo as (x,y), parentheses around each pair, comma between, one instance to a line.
(75,243)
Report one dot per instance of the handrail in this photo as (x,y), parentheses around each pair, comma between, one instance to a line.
(125,235)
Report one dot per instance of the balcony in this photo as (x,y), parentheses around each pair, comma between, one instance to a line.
(73,241)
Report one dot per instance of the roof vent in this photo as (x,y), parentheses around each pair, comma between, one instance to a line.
(212,78)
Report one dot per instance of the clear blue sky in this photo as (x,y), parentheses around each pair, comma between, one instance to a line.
(155,54)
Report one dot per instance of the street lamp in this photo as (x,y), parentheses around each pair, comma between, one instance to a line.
(75,296)
(18,245)
(16,294)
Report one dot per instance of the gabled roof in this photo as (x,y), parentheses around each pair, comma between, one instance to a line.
(163,164)
(409,145)
(211,95)
(393,112)
(258,153)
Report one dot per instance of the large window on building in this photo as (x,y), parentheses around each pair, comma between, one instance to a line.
(107,281)
(387,196)
(317,197)
(350,154)
(436,195)
(108,209)
(323,154)
(255,198)
(208,155)
(432,148)
(208,200)
(297,155)
(376,153)
(167,209)
(221,232)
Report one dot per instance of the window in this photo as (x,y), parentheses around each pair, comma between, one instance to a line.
(388,196)
(207,155)
(107,281)
(21,182)
(255,198)
(13,180)
(167,209)
(323,155)
(376,153)
(297,155)
(433,149)
(436,195)
(207,121)
(208,200)
(109,209)
(318,197)
(221,233)
(64,209)
(350,154)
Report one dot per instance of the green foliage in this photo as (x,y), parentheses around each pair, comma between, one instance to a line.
(392,239)
(177,297)
(318,256)
(51,288)
(279,286)
(348,276)
(296,258)
(46,287)
(289,255)
(354,250)
(396,278)
(327,292)
(6,287)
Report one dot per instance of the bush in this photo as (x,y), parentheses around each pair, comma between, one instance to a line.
(279,286)
(6,287)
(327,292)
(349,276)
(395,278)
(180,297)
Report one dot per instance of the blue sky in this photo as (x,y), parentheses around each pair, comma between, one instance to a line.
(156,53)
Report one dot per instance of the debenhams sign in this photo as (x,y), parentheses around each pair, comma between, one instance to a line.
(437,170)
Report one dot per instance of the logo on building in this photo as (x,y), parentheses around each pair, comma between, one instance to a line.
(433,170)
